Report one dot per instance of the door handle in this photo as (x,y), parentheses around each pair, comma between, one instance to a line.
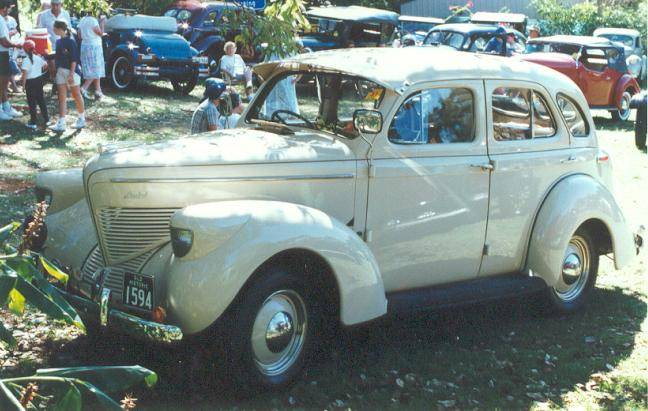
(571,159)
(485,166)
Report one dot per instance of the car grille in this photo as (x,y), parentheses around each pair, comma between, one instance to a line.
(127,233)
(115,276)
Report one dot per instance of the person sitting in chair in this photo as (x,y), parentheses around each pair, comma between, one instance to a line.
(233,67)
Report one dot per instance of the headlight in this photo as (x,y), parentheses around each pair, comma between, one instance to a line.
(181,241)
(43,194)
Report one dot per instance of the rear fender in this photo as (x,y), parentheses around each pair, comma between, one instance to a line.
(232,239)
(626,82)
(572,202)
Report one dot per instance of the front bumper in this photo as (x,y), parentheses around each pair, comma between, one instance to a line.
(123,322)
(170,68)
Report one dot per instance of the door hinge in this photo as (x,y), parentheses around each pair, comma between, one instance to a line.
(485,250)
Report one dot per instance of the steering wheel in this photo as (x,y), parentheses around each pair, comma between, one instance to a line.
(275,116)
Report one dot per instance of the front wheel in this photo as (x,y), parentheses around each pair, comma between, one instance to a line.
(185,85)
(273,331)
(623,113)
(578,274)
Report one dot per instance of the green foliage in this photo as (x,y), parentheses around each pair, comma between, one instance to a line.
(73,388)
(274,30)
(584,18)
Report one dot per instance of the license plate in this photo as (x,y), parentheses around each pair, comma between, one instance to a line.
(138,291)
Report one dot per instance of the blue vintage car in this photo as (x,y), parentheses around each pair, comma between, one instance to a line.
(350,26)
(147,47)
(203,25)
(471,37)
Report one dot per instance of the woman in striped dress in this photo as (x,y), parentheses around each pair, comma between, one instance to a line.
(93,65)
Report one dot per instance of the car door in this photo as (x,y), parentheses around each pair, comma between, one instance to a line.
(529,149)
(597,78)
(428,187)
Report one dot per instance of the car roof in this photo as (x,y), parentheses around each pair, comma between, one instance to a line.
(354,13)
(467,28)
(485,16)
(614,30)
(426,63)
(420,19)
(575,40)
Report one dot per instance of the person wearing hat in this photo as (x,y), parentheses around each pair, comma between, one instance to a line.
(534,32)
(47,19)
(497,45)
(32,80)
(207,117)
(6,111)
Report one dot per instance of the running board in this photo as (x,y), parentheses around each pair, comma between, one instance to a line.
(463,293)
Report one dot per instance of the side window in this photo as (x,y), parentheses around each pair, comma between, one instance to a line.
(573,116)
(435,116)
(594,59)
(520,114)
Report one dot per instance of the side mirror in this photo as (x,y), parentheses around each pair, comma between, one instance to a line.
(368,121)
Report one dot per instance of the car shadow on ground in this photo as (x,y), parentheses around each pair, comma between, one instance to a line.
(609,124)
(496,354)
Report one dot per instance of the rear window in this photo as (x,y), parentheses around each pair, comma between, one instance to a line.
(573,116)
(520,114)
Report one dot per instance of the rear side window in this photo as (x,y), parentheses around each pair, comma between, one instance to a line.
(573,116)
(520,114)
(435,116)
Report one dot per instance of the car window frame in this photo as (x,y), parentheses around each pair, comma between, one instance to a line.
(561,138)
(580,111)
(531,115)
(420,92)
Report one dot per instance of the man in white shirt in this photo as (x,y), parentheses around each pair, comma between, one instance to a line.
(6,111)
(47,18)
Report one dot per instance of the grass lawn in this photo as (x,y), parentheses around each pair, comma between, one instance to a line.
(502,355)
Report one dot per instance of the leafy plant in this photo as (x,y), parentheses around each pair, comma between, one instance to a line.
(74,388)
(273,31)
(22,282)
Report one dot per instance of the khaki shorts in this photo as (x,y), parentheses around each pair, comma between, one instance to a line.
(63,76)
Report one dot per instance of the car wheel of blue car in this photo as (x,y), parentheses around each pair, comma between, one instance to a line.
(122,73)
(185,85)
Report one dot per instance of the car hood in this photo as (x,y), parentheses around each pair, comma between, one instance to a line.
(165,45)
(236,146)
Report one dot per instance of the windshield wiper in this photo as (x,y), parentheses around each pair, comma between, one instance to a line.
(277,128)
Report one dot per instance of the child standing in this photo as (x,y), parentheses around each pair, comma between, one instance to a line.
(32,81)
(67,75)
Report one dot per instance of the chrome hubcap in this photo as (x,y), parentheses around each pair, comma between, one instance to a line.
(575,270)
(278,332)
(624,112)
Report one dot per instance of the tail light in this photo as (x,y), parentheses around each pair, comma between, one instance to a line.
(602,157)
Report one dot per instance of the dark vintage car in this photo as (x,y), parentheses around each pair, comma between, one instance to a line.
(352,26)
(596,64)
(471,37)
(639,103)
(147,47)
(417,26)
(205,26)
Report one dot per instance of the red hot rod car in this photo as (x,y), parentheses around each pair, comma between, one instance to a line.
(596,64)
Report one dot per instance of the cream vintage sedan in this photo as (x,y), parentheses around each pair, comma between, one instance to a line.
(353,186)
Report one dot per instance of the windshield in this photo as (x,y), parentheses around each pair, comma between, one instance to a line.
(321,101)
(627,41)
(411,27)
(324,27)
(449,38)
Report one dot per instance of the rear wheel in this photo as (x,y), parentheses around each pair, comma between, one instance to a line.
(185,85)
(577,276)
(273,331)
(122,73)
(623,113)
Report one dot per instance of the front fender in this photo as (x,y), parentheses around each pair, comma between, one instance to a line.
(573,201)
(239,236)
(66,187)
(625,82)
